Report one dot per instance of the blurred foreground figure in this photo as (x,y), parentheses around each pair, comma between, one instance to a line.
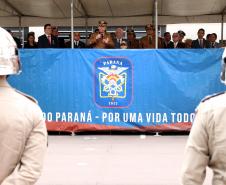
(23,135)
(206,144)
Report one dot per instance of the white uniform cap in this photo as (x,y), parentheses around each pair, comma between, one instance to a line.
(9,63)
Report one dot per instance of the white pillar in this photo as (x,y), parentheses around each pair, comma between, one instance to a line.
(222,27)
(72,24)
(156,24)
(21,37)
(86,30)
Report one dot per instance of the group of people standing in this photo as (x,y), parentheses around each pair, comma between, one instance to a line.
(103,39)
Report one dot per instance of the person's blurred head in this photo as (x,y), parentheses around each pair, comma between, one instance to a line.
(76,36)
(113,35)
(55,31)
(131,34)
(9,60)
(30,38)
(150,30)
(119,33)
(48,29)
(175,37)
(208,37)
(96,30)
(201,33)
(123,45)
(102,26)
(213,37)
(167,36)
(188,43)
(181,35)
(10,32)
(31,33)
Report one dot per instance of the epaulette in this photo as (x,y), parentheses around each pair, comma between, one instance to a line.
(211,96)
(27,96)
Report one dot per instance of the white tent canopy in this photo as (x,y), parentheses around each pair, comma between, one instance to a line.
(116,12)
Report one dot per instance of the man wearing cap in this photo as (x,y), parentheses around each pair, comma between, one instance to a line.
(132,42)
(148,41)
(206,145)
(101,39)
(23,135)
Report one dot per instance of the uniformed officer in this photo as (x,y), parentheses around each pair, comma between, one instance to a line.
(23,136)
(132,42)
(101,39)
(206,145)
(148,41)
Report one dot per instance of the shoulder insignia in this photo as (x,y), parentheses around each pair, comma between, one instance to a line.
(211,96)
(27,96)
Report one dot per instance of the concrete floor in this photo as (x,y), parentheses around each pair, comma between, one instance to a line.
(114,160)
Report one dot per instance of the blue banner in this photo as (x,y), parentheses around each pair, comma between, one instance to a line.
(119,89)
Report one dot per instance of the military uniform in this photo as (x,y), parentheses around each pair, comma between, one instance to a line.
(98,43)
(23,137)
(206,144)
(133,44)
(149,42)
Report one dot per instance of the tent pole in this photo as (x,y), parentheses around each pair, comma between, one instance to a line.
(20,31)
(153,13)
(156,24)
(72,24)
(222,27)
(86,30)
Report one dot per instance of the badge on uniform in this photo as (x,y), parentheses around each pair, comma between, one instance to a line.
(113,82)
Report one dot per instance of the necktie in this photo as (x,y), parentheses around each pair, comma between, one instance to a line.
(76,44)
(130,44)
(150,40)
(212,45)
(201,43)
(49,39)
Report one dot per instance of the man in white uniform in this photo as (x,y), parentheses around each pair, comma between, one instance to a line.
(206,144)
(23,136)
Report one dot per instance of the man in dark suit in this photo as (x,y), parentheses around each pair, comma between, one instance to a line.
(176,41)
(200,42)
(213,43)
(60,40)
(167,43)
(77,42)
(18,42)
(119,33)
(47,40)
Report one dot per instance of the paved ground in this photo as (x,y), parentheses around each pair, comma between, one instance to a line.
(114,160)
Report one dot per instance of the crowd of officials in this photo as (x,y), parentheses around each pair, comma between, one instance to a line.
(102,39)
(23,133)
